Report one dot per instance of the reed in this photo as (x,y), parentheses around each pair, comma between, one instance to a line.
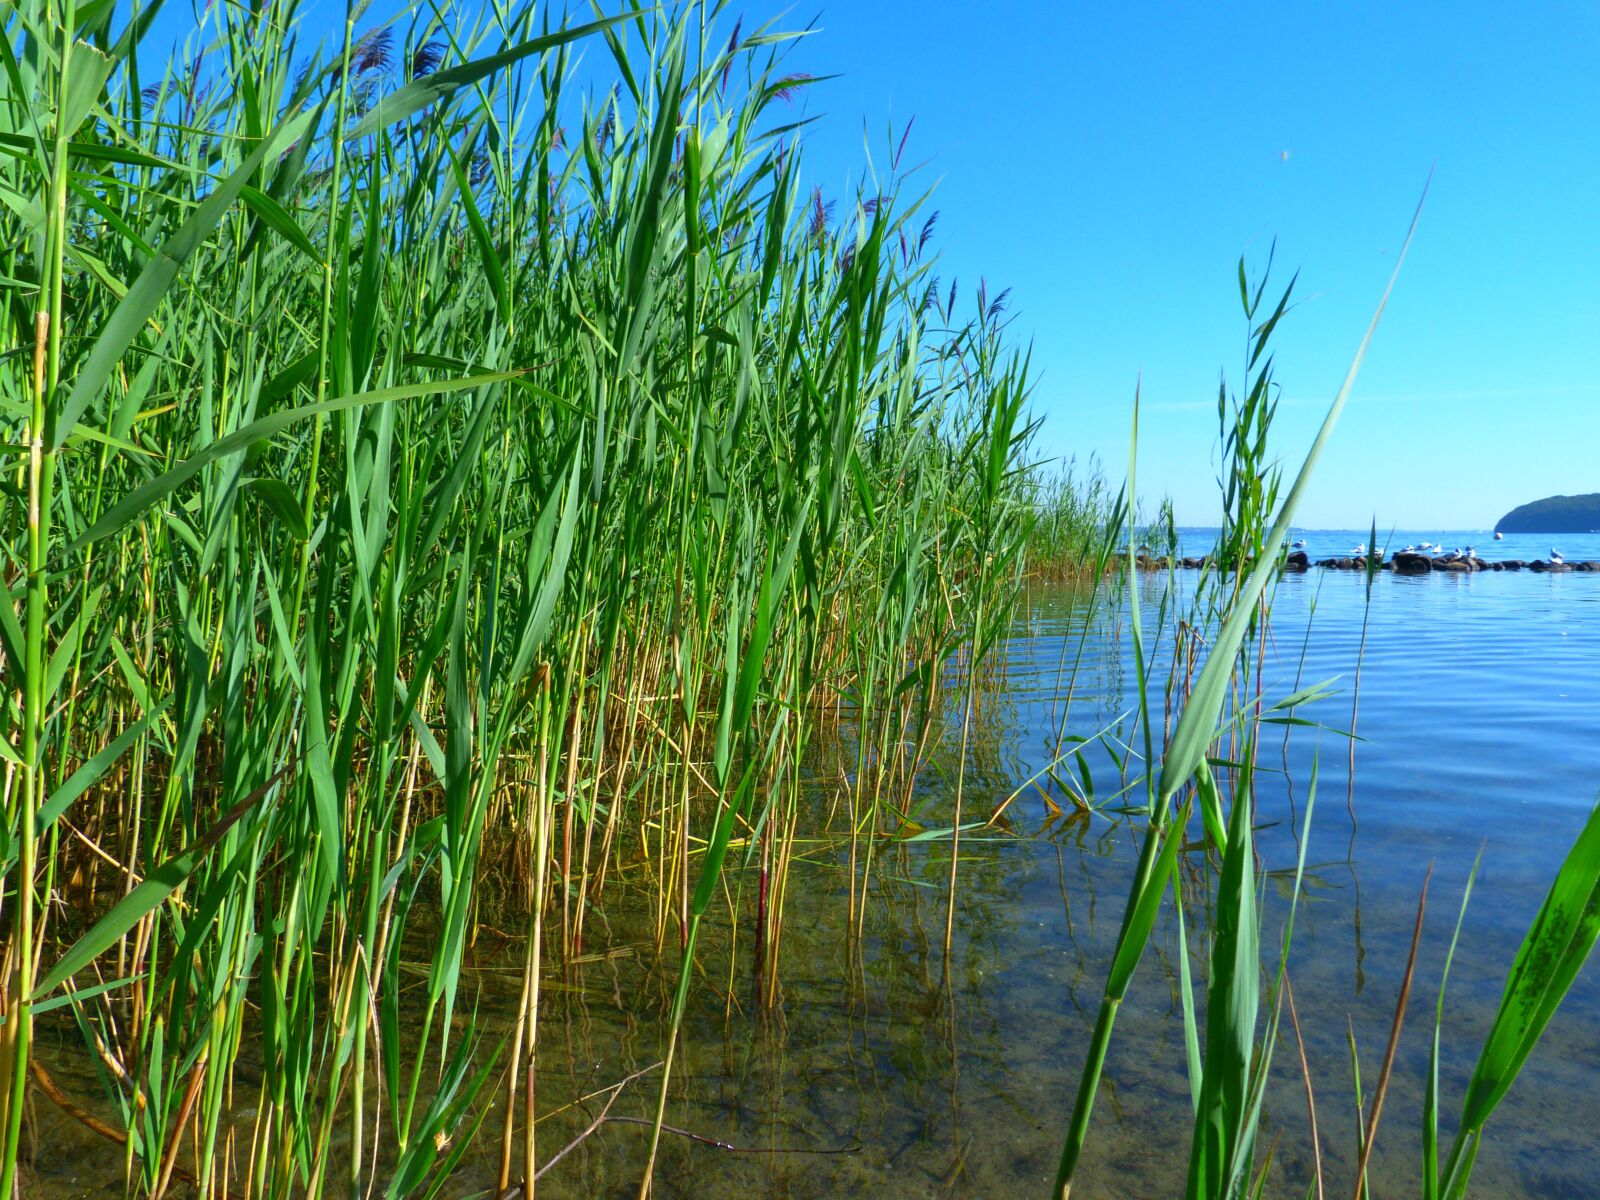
(427,477)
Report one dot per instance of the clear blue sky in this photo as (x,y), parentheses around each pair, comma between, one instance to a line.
(1110,163)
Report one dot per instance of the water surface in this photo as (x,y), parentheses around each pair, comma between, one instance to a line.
(1475,700)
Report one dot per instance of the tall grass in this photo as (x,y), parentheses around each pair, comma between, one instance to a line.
(424,473)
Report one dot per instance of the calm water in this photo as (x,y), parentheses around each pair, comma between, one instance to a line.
(1479,698)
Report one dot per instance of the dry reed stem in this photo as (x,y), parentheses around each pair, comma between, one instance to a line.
(1394,1039)
(1305,1071)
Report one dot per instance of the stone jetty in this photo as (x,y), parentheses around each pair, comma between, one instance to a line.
(1402,563)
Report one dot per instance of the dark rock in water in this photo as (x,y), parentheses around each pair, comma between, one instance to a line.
(1496,566)
(1512,564)
(1345,564)
(1327,562)
(1539,564)
(1194,564)
(1412,564)
(1298,561)
(1451,564)
(1589,565)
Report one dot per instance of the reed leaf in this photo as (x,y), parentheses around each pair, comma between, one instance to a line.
(1554,949)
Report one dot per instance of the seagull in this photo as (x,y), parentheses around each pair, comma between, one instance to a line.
(1359,550)
(1427,546)
(1453,555)
(1555,555)
(1409,550)
(1300,545)
(1498,536)
(1472,552)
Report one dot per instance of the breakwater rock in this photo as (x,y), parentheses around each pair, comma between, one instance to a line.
(1402,563)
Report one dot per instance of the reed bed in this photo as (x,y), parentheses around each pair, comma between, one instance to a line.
(434,470)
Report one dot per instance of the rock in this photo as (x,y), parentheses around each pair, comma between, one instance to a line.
(1511,564)
(1497,566)
(1345,564)
(1450,564)
(1194,564)
(1589,565)
(1412,564)
(1298,561)
(1327,562)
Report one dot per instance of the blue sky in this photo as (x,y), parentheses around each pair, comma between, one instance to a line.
(1110,163)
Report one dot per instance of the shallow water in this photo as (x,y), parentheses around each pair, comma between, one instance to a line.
(1478,695)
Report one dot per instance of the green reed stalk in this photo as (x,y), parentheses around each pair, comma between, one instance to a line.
(1184,760)
(48,321)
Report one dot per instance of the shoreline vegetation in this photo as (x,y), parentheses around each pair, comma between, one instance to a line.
(432,486)
(440,481)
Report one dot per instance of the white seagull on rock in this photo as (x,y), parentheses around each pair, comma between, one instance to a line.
(1555,555)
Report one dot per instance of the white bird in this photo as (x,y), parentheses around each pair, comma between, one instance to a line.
(1555,556)
(1427,546)
(1453,555)
(1409,550)
(1472,552)
(1498,536)
(1300,545)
